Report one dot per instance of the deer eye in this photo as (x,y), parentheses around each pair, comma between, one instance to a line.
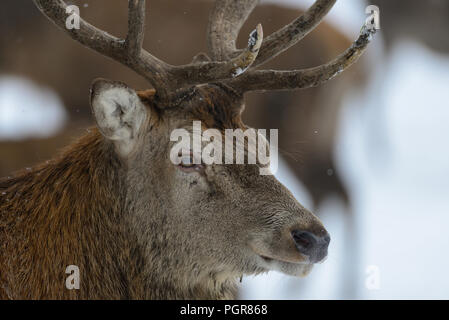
(187,164)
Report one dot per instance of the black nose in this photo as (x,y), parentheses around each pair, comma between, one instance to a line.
(311,245)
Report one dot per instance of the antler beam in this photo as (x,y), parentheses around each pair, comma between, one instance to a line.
(136,27)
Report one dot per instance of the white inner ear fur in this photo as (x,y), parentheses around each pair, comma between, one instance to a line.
(120,115)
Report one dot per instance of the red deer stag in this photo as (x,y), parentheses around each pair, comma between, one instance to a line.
(138,226)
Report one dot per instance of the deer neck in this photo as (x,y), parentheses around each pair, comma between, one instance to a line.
(69,212)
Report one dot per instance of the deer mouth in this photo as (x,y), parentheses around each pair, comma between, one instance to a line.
(286,257)
(293,252)
(270,259)
(292,268)
(297,265)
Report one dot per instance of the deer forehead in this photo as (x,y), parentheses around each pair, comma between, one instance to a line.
(215,107)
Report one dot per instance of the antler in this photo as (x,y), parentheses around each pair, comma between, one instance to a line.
(129,52)
(287,37)
(204,72)
(165,78)
(228,16)
(232,66)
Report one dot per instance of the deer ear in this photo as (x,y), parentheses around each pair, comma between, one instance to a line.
(119,113)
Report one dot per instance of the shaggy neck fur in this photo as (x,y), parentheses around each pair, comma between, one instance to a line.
(71,211)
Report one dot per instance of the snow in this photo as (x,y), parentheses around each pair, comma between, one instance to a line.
(394,155)
(402,178)
(27,110)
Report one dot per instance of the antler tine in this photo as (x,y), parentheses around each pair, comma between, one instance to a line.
(210,71)
(129,52)
(136,27)
(225,21)
(306,78)
(294,32)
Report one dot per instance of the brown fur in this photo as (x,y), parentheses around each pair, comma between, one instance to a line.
(51,216)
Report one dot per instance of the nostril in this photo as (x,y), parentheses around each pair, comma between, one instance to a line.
(327,239)
(304,240)
(311,245)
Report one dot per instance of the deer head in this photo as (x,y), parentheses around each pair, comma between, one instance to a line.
(208,224)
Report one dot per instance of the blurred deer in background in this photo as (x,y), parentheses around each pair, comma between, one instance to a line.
(137,225)
(425,21)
